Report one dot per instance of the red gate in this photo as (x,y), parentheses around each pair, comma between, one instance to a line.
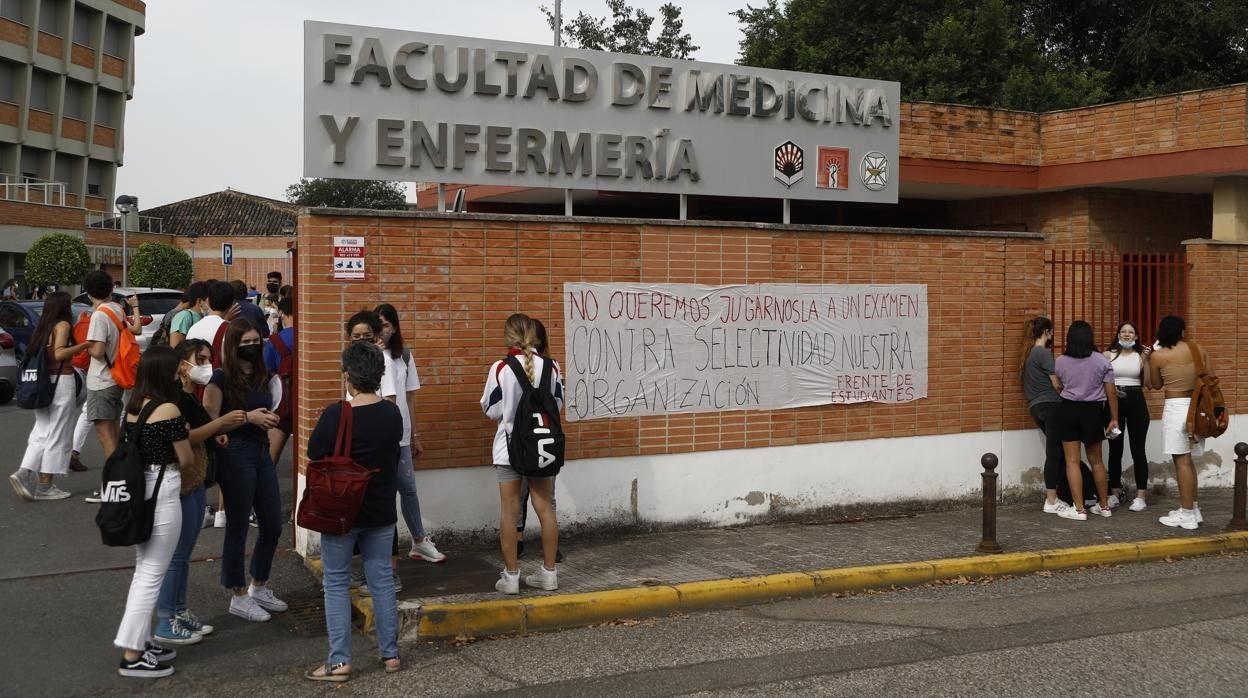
(1106,288)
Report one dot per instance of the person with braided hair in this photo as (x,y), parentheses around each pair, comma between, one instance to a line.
(498,401)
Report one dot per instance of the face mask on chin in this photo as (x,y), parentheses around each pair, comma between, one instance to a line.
(1126,344)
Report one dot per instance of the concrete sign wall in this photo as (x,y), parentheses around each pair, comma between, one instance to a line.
(409,106)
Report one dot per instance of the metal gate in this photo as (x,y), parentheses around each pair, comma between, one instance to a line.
(1106,288)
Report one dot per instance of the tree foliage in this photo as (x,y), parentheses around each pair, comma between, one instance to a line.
(1019,54)
(629,31)
(159,265)
(347,193)
(57,260)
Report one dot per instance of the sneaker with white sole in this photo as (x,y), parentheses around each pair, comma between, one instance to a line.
(1096,509)
(170,631)
(50,492)
(1200,519)
(246,608)
(266,598)
(543,578)
(427,551)
(23,484)
(1073,514)
(93,498)
(218,520)
(145,667)
(1138,504)
(162,654)
(1180,518)
(1054,507)
(508,583)
(1114,502)
(192,622)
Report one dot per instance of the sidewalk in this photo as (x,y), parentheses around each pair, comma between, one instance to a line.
(655,574)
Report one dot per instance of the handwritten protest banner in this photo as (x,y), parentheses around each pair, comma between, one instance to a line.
(638,349)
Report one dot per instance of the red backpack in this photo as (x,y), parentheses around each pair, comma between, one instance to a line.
(335,486)
(285,374)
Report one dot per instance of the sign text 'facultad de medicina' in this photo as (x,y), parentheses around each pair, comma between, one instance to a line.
(639,349)
(410,106)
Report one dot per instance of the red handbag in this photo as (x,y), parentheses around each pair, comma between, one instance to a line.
(335,486)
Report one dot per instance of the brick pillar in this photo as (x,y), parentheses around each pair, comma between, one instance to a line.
(1217,305)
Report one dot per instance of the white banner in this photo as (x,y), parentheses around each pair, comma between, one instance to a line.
(638,349)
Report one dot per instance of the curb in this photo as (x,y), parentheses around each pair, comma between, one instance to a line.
(515,616)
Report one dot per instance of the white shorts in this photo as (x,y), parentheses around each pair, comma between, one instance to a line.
(1174,437)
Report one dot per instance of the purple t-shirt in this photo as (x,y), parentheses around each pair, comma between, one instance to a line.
(1083,380)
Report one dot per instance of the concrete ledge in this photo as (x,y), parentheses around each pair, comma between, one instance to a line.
(519,615)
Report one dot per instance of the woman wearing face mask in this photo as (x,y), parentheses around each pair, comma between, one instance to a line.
(245,472)
(176,624)
(1130,362)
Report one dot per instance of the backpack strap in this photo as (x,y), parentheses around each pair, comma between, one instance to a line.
(543,381)
(342,442)
(216,344)
(1200,364)
(521,377)
(279,344)
(120,328)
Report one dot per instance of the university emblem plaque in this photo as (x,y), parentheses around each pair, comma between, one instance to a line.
(874,170)
(789,165)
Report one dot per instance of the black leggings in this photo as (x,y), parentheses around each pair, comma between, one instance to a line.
(1046,415)
(1132,419)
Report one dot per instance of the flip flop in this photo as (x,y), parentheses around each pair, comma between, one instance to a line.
(390,669)
(327,673)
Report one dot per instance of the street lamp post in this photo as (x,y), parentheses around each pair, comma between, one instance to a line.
(288,229)
(126,205)
(192,235)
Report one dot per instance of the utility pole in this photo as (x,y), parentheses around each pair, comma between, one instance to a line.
(558,23)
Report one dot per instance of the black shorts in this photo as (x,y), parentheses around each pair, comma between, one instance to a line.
(1082,421)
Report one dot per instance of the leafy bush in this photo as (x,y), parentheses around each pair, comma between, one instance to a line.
(160,265)
(59,259)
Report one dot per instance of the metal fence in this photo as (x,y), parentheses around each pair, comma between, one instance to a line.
(1106,288)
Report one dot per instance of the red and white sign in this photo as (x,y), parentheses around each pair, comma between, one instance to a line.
(833,172)
(348,259)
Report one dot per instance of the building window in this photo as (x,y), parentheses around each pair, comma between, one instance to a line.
(95,177)
(8,81)
(114,38)
(105,102)
(40,90)
(75,99)
(34,164)
(84,25)
(14,10)
(50,16)
(67,172)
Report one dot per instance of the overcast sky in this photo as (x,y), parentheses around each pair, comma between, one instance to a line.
(218,85)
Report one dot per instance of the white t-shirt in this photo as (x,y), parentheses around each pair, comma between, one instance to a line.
(405,378)
(206,328)
(387,380)
(103,329)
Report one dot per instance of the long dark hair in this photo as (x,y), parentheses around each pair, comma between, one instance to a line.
(55,309)
(395,345)
(238,385)
(1079,341)
(543,344)
(157,379)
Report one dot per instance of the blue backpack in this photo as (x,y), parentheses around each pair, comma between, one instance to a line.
(35,386)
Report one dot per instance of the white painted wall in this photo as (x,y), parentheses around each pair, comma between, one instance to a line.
(719,488)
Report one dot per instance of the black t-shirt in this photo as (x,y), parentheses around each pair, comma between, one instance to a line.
(375,433)
(256,399)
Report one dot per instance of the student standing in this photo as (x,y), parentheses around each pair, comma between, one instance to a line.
(1173,368)
(543,350)
(162,441)
(108,321)
(245,473)
(1130,362)
(280,345)
(50,443)
(1087,382)
(196,298)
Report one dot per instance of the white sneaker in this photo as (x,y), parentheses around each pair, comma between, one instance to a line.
(1138,504)
(1096,509)
(266,599)
(1054,507)
(22,485)
(246,608)
(1114,501)
(543,579)
(508,583)
(427,551)
(1073,514)
(1200,519)
(1181,518)
(218,521)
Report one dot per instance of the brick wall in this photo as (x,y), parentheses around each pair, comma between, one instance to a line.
(453,298)
(952,132)
(1217,307)
(40,216)
(252,270)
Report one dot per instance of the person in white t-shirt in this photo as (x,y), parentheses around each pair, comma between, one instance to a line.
(406,383)
(220,302)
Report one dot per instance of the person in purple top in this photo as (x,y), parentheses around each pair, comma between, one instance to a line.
(1087,382)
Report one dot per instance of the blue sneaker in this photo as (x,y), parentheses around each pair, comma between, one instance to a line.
(170,631)
(191,622)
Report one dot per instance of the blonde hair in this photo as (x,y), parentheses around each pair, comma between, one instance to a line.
(521,332)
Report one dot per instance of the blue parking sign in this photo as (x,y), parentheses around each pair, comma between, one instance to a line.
(227,254)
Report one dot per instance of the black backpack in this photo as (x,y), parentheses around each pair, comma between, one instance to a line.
(161,335)
(35,387)
(125,517)
(535,444)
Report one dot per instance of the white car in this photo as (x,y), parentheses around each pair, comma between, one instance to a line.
(153,304)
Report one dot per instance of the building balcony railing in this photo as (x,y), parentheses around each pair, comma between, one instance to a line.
(34,191)
(113,221)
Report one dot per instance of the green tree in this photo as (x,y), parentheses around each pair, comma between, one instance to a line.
(57,260)
(347,193)
(159,265)
(629,31)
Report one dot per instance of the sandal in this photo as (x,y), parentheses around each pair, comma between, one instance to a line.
(328,672)
(391,668)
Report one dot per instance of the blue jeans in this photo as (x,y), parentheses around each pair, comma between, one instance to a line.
(409,502)
(374,546)
(172,597)
(248,482)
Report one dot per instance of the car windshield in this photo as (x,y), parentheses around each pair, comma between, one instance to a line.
(158,305)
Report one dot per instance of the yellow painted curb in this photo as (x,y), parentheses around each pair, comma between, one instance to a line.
(718,593)
(1236,541)
(1180,547)
(1090,556)
(987,565)
(872,577)
(479,619)
(574,610)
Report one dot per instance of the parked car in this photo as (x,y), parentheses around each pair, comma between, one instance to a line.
(19,319)
(8,368)
(153,304)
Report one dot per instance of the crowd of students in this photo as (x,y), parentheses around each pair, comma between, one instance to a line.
(1087,396)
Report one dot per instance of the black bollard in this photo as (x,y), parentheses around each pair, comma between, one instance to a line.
(1239,522)
(989,544)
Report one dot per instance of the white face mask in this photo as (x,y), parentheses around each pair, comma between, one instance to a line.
(1126,344)
(200,375)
